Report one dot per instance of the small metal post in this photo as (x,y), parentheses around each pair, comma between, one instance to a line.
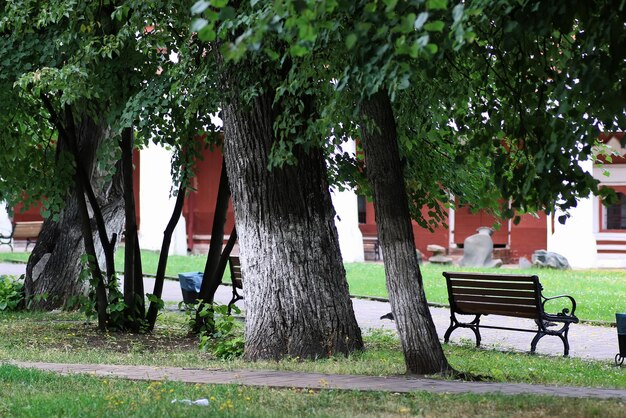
(620,319)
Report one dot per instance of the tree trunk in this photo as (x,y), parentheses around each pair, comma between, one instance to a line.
(133,283)
(211,281)
(159,280)
(53,269)
(297,300)
(422,350)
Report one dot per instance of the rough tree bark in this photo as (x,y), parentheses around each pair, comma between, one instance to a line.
(297,300)
(422,350)
(54,267)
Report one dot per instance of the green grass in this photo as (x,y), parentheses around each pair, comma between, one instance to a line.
(599,293)
(14,257)
(65,338)
(31,393)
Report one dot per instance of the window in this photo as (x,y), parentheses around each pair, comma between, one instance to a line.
(615,215)
(362,204)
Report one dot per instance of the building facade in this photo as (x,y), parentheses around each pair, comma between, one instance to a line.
(593,236)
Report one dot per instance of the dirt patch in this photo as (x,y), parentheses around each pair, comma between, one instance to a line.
(81,334)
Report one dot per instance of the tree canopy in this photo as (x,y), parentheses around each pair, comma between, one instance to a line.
(508,94)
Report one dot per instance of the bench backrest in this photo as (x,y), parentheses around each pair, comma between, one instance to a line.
(503,294)
(22,230)
(235,271)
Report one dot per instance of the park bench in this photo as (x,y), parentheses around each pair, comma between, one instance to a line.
(509,295)
(236,279)
(28,231)
(371,248)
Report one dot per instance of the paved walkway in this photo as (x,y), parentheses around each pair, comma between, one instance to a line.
(282,379)
(586,341)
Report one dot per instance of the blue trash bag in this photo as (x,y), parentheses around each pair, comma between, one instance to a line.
(190,285)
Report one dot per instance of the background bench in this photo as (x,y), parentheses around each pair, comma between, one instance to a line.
(28,231)
(371,248)
(509,295)
(237,280)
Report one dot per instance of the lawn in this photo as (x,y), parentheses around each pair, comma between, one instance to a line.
(64,337)
(30,393)
(599,293)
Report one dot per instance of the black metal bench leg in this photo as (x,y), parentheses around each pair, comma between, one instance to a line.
(235,298)
(454,324)
(477,333)
(563,337)
(232,302)
(533,343)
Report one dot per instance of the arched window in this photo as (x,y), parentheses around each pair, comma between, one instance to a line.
(615,215)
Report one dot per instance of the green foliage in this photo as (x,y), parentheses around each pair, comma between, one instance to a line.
(220,333)
(116,307)
(496,102)
(154,299)
(11,293)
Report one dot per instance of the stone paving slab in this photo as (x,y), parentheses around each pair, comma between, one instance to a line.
(318,381)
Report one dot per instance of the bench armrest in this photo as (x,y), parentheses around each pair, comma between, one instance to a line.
(565,311)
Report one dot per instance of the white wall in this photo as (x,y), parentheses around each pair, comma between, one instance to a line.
(347,217)
(613,241)
(5,224)
(156,205)
(576,240)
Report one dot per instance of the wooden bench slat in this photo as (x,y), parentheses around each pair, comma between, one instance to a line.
(506,310)
(28,231)
(497,300)
(496,277)
(493,292)
(492,284)
(236,279)
(502,294)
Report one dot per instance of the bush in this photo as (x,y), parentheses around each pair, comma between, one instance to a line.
(11,293)
(221,335)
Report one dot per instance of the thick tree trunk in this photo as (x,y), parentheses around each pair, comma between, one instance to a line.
(297,300)
(422,350)
(53,269)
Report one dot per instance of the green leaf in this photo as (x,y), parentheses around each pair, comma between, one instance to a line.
(432,48)
(436,4)
(298,50)
(207,33)
(227,13)
(351,40)
(434,26)
(408,23)
(390,4)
